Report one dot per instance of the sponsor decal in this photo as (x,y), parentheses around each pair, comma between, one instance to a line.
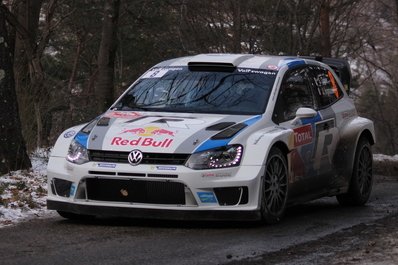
(272,67)
(216,175)
(251,71)
(303,135)
(159,72)
(141,141)
(207,197)
(72,190)
(69,134)
(106,165)
(325,147)
(122,114)
(144,140)
(149,131)
(165,168)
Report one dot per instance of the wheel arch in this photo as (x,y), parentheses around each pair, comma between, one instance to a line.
(350,136)
(367,135)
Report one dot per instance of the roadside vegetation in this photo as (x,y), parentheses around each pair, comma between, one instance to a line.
(68,61)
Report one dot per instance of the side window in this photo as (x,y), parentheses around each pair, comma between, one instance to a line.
(325,85)
(295,92)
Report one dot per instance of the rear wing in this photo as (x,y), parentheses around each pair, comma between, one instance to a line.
(340,66)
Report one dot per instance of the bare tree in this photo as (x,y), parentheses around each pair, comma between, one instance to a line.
(12,146)
(104,88)
(324,23)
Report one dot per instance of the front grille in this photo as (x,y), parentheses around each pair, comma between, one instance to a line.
(149,158)
(137,191)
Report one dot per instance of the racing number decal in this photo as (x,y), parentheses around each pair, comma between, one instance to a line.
(327,137)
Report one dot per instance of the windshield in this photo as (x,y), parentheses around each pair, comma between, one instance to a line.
(177,89)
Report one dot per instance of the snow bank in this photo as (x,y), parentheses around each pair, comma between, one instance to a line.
(23,192)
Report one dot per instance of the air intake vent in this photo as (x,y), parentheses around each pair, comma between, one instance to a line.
(211,67)
(136,191)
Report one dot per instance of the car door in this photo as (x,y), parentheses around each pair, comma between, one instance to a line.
(327,93)
(296,92)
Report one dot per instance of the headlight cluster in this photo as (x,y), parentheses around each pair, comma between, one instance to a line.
(227,156)
(77,153)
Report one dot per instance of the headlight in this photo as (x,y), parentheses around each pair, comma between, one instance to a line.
(77,153)
(227,156)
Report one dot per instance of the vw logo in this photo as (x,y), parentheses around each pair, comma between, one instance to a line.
(135,157)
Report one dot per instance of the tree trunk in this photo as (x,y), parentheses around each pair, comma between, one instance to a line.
(104,88)
(13,154)
(237,26)
(324,21)
(27,67)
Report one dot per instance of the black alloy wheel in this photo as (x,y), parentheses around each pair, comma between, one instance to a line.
(274,187)
(362,176)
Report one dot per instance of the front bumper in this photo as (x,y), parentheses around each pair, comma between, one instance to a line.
(158,192)
(163,214)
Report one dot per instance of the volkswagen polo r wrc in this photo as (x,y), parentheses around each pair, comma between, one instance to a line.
(218,137)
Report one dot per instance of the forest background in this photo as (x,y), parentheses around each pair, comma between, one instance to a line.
(63,62)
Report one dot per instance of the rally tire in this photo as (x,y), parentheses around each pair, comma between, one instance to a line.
(274,190)
(362,176)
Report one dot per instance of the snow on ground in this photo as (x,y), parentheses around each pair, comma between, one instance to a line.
(381,157)
(23,192)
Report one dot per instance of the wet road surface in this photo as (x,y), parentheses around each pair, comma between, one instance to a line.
(59,241)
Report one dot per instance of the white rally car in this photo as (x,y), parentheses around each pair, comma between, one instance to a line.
(218,136)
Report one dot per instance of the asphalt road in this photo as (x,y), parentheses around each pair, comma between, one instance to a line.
(59,241)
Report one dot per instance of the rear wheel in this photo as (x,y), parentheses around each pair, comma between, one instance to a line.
(274,187)
(74,216)
(362,176)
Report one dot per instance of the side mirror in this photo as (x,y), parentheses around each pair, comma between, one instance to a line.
(304,113)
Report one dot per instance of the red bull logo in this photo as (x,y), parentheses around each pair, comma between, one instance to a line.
(149,131)
(141,141)
(145,138)
(163,132)
(134,131)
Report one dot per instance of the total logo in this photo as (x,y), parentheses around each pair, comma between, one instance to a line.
(144,140)
(302,135)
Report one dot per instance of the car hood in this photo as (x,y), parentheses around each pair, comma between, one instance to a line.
(165,132)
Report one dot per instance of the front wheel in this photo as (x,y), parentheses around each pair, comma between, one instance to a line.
(274,187)
(362,177)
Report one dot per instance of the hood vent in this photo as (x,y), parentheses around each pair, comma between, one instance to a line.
(219,126)
(104,121)
(229,132)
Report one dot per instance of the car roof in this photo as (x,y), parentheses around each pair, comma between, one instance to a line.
(267,62)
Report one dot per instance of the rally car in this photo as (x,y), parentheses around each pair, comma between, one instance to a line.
(218,136)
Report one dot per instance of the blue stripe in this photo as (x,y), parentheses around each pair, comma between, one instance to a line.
(252,120)
(295,63)
(210,144)
(82,139)
(311,120)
